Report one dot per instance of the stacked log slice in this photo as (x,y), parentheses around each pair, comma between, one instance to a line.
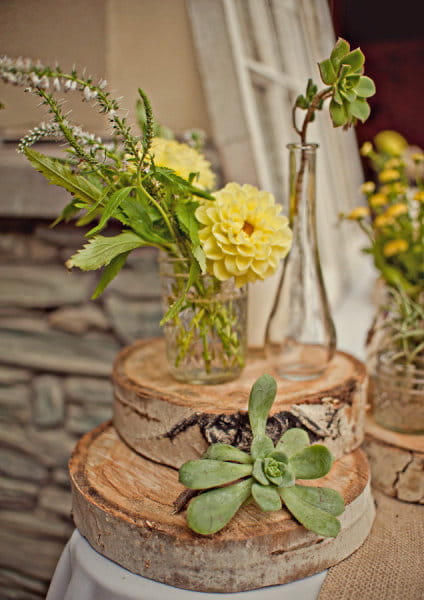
(170,422)
(123,505)
(397,462)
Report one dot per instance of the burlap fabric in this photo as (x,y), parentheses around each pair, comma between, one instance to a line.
(390,564)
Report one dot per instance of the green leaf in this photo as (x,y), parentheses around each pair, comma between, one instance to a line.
(348,95)
(100,251)
(206,473)
(301,102)
(365,87)
(174,309)
(287,478)
(267,498)
(318,521)
(322,498)
(258,472)
(211,511)
(340,50)
(199,255)
(261,446)
(279,455)
(312,462)
(141,218)
(354,59)
(338,114)
(328,74)
(360,109)
(226,452)
(111,206)
(67,213)
(109,273)
(261,398)
(60,174)
(185,212)
(292,441)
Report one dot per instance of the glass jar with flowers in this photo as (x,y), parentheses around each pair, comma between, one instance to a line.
(393,220)
(160,193)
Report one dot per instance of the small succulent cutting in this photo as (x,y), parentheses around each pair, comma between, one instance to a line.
(348,89)
(267,475)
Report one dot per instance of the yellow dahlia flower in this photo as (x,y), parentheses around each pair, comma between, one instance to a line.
(243,233)
(358,213)
(395,247)
(183,159)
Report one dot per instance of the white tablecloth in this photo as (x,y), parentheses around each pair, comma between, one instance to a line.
(83,574)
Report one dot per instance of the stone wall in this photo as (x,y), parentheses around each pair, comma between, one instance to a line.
(56,351)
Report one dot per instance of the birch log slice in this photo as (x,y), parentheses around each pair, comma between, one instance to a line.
(123,505)
(397,462)
(171,422)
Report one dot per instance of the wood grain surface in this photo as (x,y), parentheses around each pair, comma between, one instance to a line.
(171,422)
(123,505)
(396,461)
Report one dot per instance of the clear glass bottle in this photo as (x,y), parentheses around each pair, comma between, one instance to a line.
(206,339)
(300,333)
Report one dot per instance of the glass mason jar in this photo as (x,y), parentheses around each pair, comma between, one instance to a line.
(300,332)
(397,394)
(206,340)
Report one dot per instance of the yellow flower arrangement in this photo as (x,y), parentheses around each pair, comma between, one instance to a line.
(393,218)
(393,221)
(243,234)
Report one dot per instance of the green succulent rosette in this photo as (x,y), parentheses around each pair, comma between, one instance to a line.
(343,71)
(266,476)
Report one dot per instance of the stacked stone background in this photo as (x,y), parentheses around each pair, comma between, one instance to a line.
(56,352)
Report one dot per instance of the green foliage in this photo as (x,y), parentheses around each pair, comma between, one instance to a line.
(100,250)
(58,173)
(271,478)
(348,90)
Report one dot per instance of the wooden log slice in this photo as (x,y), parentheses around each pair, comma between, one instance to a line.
(396,461)
(123,505)
(171,422)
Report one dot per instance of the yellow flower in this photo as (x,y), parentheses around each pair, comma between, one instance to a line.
(366,149)
(393,163)
(397,209)
(418,157)
(183,159)
(243,234)
(386,189)
(388,175)
(360,212)
(419,196)
(367,188)
(395,247)
(390,142)
(383,221)
(378,200)
(399,188)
